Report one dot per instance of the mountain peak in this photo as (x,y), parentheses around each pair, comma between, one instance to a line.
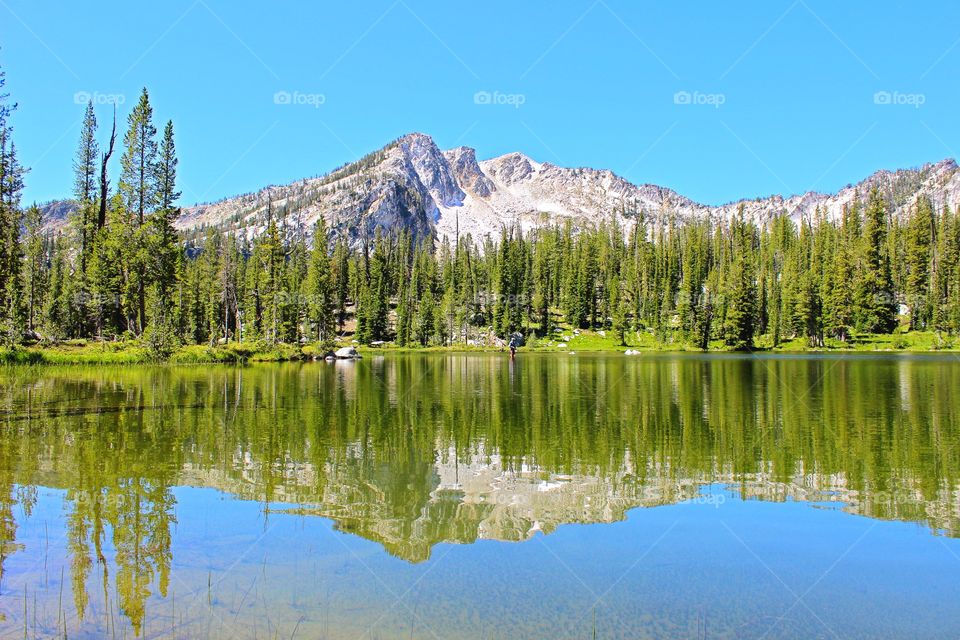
(424,160)
(415,137)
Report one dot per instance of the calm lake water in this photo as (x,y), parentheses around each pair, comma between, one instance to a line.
(464,496)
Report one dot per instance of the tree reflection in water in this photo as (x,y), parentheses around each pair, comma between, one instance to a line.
(412,451)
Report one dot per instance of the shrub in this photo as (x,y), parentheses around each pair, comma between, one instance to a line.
(160,340)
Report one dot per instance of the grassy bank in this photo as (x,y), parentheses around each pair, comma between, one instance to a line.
(568,340)
(117,353)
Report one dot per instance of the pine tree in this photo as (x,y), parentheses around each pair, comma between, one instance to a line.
(162,241)
(85,161)
(543,281)
(405,313)
(919,237)
(111,288)
(425,317)
(741,292)
(319,286)
(876,307)
(618,309)
(380,289)
(695,269)
(138,177)
(209,297)
(57,303)
(944,283)
(293,327)
(166,170)
(138,186)
(85,183)
(268,249)
(34,267)
(341,280)
(839,310)
(509,294)
(11,185)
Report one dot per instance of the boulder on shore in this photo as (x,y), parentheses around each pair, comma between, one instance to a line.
(347,353)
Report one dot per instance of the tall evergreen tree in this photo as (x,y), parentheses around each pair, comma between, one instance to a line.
(166,170)
(139,188)
(11,252)
(139,169)
(839,310)
(741,288)
(85,183)
(876,306)
(162,242)
(919,238)
(319,285)
(34,266)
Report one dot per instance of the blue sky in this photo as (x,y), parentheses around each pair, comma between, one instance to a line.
(716,100)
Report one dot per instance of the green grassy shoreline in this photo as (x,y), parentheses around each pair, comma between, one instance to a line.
(120,353)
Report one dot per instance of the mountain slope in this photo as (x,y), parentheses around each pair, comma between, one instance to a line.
(412,185)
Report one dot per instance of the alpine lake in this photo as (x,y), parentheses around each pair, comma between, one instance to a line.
(444,495)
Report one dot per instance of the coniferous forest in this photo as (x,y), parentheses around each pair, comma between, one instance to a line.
(120,271)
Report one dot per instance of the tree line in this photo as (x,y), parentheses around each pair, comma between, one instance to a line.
(120,269)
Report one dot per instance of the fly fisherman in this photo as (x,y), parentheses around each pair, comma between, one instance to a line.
(514,343)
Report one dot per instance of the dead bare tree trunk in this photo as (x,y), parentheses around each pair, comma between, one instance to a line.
(104,159)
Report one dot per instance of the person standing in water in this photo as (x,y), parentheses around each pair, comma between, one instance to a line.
(514,343)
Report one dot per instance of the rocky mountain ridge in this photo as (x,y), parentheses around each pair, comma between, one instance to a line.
(411,184)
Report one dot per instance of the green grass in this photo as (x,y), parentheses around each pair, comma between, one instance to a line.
(566,340)
(389,347)
(115,353)
(200,354)
(914,341)
(570,340)
(277,353)
(235,352)
(77,353)
(20,356)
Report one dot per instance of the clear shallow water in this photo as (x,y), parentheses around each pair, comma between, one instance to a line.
(459,496)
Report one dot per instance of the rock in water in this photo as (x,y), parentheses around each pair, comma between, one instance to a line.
(347,353)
